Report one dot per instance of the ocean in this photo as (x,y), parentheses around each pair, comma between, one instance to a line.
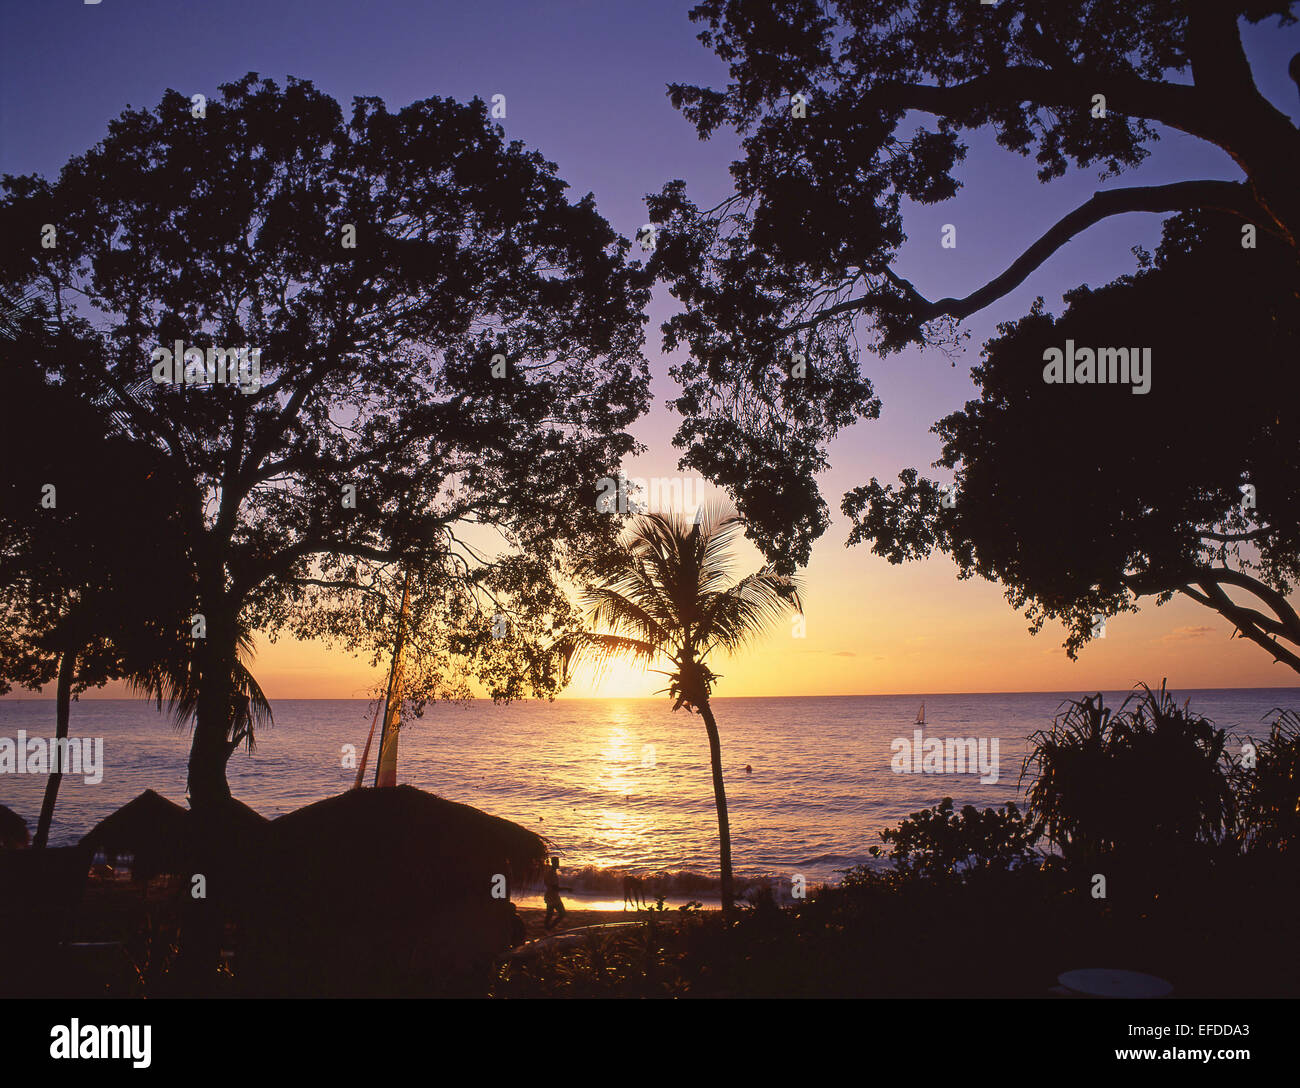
(615,784)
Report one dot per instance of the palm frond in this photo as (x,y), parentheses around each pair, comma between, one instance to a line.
(17,311)
(600,650)
(749,609)
(622,613)
(674,594)
(172,679)
(718,527)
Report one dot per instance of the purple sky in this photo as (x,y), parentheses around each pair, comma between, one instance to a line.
(585,84)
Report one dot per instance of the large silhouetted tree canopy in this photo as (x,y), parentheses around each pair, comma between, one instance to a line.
(1081,499)
(470,366)
(95,580)
(92,553)
(798,261)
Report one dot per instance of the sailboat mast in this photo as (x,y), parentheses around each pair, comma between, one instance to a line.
(393,673)
(365,754)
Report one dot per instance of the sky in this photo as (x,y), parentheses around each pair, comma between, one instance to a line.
(585,84)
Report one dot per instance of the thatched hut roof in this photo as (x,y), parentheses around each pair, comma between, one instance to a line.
(165,838)
(13,830)
(229,823)
(371,842)
(381,891)
(240,819)
(151,828)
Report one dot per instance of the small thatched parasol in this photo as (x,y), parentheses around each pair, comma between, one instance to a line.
(13,830)
(165,838)
(151,828)
(384,891)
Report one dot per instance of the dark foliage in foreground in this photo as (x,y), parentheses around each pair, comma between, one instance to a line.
(991,934)
(1197,848)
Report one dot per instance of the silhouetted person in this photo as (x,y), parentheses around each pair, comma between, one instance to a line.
(554,904)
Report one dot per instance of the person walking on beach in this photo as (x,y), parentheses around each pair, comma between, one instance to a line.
(554,904)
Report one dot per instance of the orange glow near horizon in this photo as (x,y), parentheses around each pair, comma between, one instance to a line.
(872,629)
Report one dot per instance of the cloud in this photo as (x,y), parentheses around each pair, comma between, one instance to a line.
(1185,634)
(844,653)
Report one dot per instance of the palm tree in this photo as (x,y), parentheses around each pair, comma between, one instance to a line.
(172,676)
(161,668)
(672,597)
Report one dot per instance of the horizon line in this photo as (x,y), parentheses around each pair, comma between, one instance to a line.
(657,698)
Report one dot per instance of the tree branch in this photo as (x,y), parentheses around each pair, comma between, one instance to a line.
(1234,538)
(1205,586)
(1245,624)
(1219,63)
(1177,105)
(1229,196)
(1211,600)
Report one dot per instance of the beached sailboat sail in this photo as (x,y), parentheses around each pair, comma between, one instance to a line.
(920,715)
(386,764)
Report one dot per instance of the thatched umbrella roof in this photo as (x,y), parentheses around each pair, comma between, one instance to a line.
(347,894)
(165,838)
(13,830)
(367,843)
(151,828)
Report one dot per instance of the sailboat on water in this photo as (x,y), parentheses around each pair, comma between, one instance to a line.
(920,715)
(386,764)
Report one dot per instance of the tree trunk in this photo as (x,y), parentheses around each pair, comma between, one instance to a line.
(202,919)
(63,708)
(209,754)
(209,751)
(720,799)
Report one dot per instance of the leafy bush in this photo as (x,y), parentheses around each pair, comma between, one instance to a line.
(1268,794)
(934,842)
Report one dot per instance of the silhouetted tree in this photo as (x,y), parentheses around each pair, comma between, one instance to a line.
(672,597)
(1083,499)
(806,246)
(439,329)
(94,579)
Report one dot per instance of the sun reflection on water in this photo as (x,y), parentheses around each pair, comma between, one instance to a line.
(620,777)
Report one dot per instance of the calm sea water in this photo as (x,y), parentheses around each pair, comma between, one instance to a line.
(615,784)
